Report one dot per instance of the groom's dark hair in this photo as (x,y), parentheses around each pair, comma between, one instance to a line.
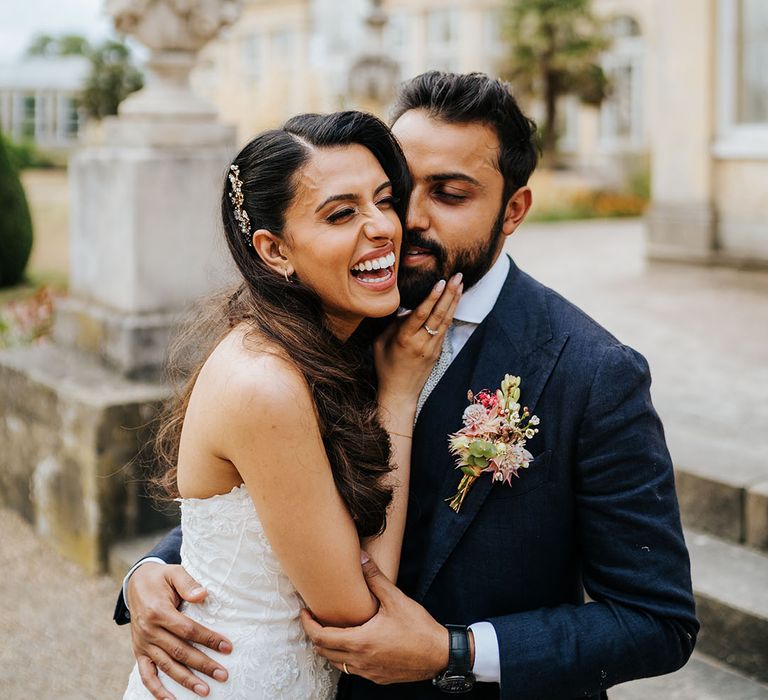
(464,98)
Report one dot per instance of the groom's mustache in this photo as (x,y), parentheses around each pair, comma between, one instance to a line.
(415,239)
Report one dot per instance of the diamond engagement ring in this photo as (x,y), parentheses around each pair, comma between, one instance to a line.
(429,330)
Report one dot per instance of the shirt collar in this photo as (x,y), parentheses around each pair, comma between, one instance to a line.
(476,303)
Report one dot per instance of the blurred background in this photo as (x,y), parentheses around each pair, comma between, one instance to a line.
(117,120)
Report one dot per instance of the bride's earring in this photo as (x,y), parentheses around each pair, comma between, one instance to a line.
(285,272)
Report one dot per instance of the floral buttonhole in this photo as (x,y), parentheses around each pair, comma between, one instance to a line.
(493,438)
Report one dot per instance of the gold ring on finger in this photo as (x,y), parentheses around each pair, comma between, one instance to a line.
(429,330)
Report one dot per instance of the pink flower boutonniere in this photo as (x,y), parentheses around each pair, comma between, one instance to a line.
(493,437)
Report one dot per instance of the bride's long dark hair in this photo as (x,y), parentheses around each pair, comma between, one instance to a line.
(290,316)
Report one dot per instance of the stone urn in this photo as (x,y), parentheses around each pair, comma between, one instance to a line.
(174,31)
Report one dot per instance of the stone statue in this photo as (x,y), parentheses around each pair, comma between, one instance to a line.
(174,31)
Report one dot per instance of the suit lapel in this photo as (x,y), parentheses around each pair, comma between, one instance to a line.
(516,339)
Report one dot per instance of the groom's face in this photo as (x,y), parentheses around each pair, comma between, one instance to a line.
(456,216)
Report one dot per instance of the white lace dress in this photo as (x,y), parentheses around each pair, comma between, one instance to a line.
(251,601)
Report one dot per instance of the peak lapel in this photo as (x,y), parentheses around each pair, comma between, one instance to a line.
(517,340)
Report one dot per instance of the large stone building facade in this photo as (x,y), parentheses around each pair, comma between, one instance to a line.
(687,104)
(291,56)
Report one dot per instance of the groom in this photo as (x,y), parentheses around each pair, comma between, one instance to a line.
(594,512)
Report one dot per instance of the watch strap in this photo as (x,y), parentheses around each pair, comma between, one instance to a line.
(459,661)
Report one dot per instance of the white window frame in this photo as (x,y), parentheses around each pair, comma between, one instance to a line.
(733,139)
(627,51)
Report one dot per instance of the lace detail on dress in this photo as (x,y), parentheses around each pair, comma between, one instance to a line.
(251,601)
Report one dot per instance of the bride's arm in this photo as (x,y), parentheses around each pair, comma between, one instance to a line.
(269,431)
(405,355)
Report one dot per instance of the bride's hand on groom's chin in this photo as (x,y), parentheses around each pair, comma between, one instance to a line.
(161,636)
(401,643)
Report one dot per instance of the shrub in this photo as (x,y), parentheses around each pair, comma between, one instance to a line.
(15,222)
(25,155)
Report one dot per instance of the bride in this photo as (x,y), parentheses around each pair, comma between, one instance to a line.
(286,466)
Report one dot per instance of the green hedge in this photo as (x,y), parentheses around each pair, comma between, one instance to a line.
(15,222)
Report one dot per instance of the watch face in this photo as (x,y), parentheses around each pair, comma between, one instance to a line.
(456,684)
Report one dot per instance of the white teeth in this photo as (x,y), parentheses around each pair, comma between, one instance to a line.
(374,280)
(378,264)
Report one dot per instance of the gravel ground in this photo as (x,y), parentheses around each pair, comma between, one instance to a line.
(57,638)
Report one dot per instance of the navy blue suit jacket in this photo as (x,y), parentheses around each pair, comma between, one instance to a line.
(596,511)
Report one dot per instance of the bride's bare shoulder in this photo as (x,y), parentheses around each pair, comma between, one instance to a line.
(246,371)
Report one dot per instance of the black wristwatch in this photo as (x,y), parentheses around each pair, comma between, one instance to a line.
(458,677)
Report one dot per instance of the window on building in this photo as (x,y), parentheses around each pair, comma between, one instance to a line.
(624,26)
(442,27)
(28,106)
(282,44)
(396,32)
(742,79)
(250,51)
(621,114)
(443,39)
(495,47)
(752,75)
(71,118)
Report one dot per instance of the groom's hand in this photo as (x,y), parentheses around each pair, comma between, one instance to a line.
(161,636)
(401,643)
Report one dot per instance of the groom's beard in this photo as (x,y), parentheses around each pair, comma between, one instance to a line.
(473,262)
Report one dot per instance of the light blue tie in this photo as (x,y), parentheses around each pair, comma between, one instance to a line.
(442,364)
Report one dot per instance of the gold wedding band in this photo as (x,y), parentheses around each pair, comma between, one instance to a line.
(429,330)
(345,668)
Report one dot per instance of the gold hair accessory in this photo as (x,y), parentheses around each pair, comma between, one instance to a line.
(237,199)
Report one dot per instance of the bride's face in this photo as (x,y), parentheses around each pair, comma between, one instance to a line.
(342,219)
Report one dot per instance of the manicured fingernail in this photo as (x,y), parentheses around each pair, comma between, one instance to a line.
(440,286)
(225,647)
(197,591)
(200,690)
(458,277)
(364,558)
(219,675)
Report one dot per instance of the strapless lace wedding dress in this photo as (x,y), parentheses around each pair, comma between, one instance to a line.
(250,601)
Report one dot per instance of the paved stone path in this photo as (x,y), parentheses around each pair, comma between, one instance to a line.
(57,638)
(704,332)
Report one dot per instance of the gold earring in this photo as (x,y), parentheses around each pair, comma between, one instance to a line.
(285,272)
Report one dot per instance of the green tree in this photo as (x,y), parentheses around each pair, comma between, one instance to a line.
(15,222)
(112,78)
(64,45)
(555,47)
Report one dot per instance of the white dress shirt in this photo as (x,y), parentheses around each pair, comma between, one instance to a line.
(475,304)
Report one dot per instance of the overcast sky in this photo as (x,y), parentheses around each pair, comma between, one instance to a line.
(20,20)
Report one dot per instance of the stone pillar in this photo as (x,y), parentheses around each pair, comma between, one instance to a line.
(681,220)
(145,203)
(76,414)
